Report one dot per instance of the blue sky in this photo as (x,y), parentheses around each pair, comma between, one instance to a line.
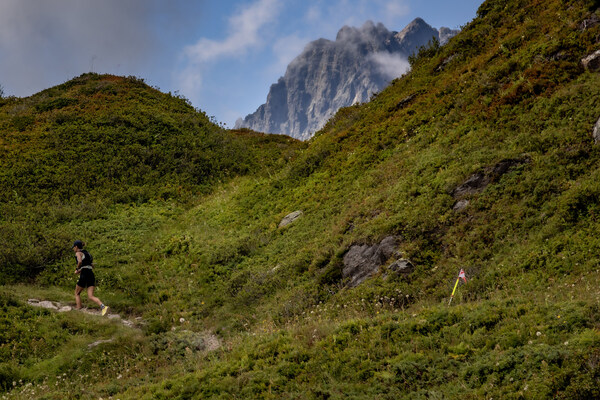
(222,55)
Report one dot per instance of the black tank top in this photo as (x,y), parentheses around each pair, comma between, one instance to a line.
(86,260)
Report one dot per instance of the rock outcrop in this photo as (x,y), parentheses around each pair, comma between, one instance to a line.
(329,75)
(363,261)
(477,182)
(402,266)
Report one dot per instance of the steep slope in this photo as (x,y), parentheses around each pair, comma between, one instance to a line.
(329,75)
(501,120)
(481,158)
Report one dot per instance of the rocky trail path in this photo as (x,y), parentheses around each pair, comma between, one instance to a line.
(61,307)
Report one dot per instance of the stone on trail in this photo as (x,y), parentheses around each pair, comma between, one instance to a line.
(47,304)
(128,323)
(60,307)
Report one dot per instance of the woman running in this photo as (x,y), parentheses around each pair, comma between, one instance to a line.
(86,276)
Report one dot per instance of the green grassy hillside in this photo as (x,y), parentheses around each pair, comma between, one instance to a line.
(481,158)
(70,152)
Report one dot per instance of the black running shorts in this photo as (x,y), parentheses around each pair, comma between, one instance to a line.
(86,278)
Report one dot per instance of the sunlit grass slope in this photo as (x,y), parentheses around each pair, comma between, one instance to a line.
(508,90)
(69,152)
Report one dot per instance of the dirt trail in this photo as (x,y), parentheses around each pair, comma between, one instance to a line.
(60,307)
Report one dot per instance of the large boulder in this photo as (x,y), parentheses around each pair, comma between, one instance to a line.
(364,261)
(474,184)
(181,342)
(461,205)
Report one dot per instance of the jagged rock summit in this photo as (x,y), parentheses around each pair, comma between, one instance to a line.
(329,75)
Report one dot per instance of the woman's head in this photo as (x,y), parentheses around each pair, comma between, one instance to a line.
(78,244)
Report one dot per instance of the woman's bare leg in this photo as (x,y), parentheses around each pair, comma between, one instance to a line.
(90,292)
(78,290)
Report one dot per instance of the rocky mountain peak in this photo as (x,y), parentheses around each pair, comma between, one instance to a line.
(369,30)
(415,35)
(329,75)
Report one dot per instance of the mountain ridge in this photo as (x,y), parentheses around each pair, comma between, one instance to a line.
(328,75)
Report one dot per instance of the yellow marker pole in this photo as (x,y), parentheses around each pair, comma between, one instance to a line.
(454,290)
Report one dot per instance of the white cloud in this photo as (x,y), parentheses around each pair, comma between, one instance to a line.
(244,34)
(390,65)
(190,82)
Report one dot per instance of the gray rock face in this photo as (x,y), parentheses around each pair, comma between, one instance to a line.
(329,75)
(363,261)
(402,266)
(447,34)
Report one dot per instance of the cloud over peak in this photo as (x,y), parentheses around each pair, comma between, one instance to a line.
(244,34)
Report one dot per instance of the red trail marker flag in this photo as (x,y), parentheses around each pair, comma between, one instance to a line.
(461,275)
